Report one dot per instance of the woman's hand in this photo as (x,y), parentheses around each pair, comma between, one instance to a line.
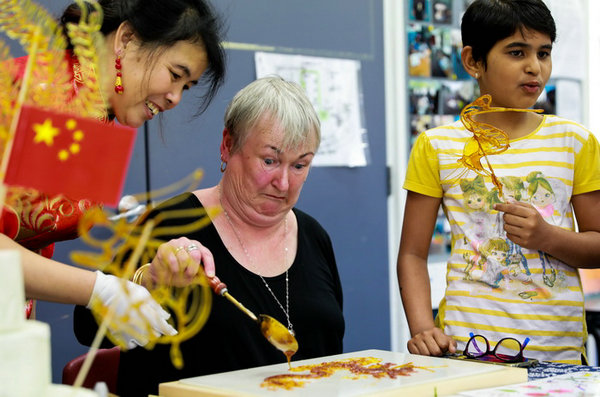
(431,342)
(134,302)
(177,262)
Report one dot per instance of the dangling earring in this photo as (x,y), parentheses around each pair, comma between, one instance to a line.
(118,82)
(476,75)
(223,166)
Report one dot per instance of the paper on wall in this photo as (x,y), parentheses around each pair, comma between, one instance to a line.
(333,87)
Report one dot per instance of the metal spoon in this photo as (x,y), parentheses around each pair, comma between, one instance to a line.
(275,332)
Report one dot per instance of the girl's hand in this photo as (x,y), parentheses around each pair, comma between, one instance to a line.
(431,342)
(524,225)
(177,262)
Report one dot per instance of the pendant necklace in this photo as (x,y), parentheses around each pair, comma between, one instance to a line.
(286,311)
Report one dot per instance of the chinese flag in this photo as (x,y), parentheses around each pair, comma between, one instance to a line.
(63,154)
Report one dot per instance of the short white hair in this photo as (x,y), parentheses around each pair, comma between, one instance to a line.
(283,102)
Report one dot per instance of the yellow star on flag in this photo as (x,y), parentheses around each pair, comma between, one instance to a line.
(45,132)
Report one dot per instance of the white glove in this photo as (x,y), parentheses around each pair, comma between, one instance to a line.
(110,290)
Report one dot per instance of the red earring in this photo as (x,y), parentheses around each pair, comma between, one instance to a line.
(118,82)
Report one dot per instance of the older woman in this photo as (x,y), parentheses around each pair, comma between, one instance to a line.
(274,258)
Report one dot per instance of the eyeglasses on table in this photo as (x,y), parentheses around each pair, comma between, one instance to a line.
(507,350)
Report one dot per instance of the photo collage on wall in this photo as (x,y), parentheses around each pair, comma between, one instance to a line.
(435,11)
(438,85)
(433,103)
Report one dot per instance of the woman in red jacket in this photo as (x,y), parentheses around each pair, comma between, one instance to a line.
(154,50)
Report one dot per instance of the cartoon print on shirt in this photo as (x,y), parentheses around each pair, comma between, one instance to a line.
(541,196)
(490,269)
(517,266)
(476,198)
(475,195)
(536,293)
(499,264)
(514,189)
(496,260)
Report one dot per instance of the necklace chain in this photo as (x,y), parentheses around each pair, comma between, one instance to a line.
(286,311)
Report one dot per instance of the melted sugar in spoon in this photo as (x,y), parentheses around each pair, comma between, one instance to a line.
(275,332)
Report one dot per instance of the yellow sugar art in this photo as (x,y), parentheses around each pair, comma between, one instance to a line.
(128,246)
(487,140)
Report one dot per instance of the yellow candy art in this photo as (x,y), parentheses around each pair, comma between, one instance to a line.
(128,246)
(487,140)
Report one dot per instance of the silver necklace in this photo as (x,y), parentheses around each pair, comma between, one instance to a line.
(286,311)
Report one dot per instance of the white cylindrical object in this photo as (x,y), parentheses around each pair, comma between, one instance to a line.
(25,364)
(12,291)
(69,391)
(25,368)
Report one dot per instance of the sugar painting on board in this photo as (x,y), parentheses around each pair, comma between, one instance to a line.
(429,376)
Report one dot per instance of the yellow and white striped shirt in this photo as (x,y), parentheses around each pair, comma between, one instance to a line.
(495,287)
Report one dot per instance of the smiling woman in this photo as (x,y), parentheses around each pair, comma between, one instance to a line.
(154,49)
(149,90)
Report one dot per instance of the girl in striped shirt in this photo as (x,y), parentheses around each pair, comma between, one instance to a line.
(519,277)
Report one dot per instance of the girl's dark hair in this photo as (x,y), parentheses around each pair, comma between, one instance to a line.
(486,22)
(160,24)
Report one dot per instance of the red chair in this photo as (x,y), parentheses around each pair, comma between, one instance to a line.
(104,369)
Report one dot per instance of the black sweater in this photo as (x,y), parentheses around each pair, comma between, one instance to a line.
(230,340)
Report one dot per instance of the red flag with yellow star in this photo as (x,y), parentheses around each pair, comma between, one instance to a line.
(63,154)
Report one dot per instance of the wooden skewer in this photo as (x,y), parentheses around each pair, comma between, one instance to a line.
(220,288)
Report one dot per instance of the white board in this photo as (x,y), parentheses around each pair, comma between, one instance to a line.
(442,377)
